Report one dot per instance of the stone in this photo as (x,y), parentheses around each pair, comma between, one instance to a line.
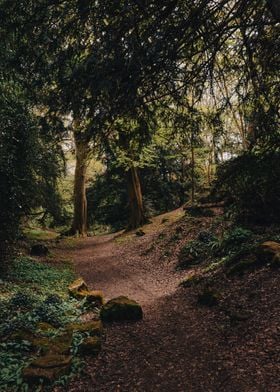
(45,327)
(121,309)
(140,233)
(39,250)
(77,286)
(90,346)
(48,367)
(267,251)
(93,297)
(276,261)
(94,328)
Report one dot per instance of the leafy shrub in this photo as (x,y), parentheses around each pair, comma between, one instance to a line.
(251,186)
(234,238)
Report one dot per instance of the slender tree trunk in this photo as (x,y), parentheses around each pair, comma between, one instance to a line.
(192,173)
(137,216)
(79,225)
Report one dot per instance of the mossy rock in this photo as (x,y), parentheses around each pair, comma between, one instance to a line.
(121,309)
(77,286)
(45,327)
(93,297)
(94,328)
(90,346)
(276,261)
(140,233)
(267,251)
(47,368)
(209,297)
(59,345)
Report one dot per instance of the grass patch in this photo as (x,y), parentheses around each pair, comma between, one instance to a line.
(38,234)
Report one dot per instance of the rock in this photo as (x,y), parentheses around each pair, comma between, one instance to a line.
(208,297)
(39,250)
(61,344)
(276,261)
(267,251)
(45,327)
(49,368)
(121,309)
(94,328)
(90,346)
(140,233)
(77,286)
(93,297)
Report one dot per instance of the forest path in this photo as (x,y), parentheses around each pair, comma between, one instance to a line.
(118,264)
(178,346)
(157,353)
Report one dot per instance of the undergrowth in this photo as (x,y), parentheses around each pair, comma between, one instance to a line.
(213,252)
(32,293)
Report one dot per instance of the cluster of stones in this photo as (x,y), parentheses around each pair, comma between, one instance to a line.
(55,353)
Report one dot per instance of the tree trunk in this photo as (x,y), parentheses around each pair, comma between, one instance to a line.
(137,217)
(79,225)
(192,172)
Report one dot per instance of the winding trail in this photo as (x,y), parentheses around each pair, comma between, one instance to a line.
(178,347)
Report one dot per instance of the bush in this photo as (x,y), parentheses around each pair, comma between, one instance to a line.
(30,163)
(251,186)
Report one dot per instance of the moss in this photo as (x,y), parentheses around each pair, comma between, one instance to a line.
(267,251)
(121,309)
(191,280)
(45,327)
(77,286)
(93,297)
(92,327)
(90,346)
(47,368)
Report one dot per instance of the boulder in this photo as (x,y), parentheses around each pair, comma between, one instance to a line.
(77,286)
(94,328)
(47,368)
(267,251)
(121,309)
(39,250)
(90,346)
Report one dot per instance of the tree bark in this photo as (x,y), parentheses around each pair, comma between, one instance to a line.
(79,225)
(137,216)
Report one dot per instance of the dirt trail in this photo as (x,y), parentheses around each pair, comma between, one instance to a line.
(121,269)
(178,347)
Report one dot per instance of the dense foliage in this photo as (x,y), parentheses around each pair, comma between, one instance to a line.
(251,186)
